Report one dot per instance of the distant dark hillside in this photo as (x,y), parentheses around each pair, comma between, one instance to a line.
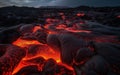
(16,15)
(99,9)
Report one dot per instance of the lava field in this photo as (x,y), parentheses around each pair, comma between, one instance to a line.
(60,47)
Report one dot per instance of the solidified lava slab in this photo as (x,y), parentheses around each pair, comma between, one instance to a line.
(9,35)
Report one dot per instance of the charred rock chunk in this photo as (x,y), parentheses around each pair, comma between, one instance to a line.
(34,50)
(9,35)
(53,68)
(41,36)
(10,58)
(49,67)
(29,70)
(28,36)
(82,54)
(111,52)
(96,65)
(38,60)
(26,28)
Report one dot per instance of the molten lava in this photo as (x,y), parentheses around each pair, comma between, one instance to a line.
(80,14)
(61,26)
(61,13)
(36,28)
(24,43)
(46,53)
(73,30)
(42,50)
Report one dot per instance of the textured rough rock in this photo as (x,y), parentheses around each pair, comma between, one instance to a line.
(28,28)
(52,68)
(41,36)
(9,35)
(49,66)
(10,57)
(34,50)
(28,36)
(82,54)
(96,65)
(29,70)
(110,52)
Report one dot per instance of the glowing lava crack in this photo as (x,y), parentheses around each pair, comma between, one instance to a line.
(46,52)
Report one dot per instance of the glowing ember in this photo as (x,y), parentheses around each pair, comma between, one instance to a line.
(24,43)
(47,26)
(80,14)
(69,67)
(73,30)
(48,20)
(61,13)
(61,26)
(36,28)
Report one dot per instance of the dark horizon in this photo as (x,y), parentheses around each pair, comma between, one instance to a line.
(67,3)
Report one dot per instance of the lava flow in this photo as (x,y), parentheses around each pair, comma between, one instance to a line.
(36,28)
(24,43)
(80,14)
(36,50)
(45,53)
(43,50)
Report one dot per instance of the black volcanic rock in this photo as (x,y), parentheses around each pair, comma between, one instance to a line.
(110,52)
(13,15)
(9,35)
(10,58)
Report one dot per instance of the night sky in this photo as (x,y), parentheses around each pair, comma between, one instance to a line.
(69,3)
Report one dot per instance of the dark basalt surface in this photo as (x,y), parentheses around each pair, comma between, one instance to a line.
(13,15)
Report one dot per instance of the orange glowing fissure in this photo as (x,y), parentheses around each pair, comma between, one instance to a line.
(36,28)
(46,54)
(24,43)
(80,14)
